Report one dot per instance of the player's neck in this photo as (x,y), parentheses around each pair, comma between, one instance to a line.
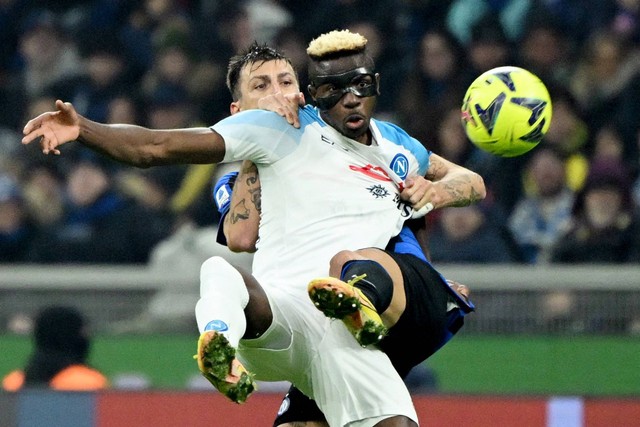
(366,138)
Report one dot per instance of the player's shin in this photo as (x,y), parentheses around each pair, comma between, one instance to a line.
(223,297)
(376,283)
(220,316)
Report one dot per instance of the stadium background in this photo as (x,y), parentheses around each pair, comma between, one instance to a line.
(550,344)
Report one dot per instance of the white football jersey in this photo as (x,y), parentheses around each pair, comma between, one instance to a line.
(321,191)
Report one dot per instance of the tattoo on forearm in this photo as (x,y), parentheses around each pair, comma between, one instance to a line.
(435,170)
(239,212)
(253,187)
(256,198)
(461,191)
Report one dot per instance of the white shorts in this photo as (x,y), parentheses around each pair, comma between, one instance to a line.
(321,357)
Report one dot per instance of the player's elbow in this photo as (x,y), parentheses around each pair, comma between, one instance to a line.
(241,243)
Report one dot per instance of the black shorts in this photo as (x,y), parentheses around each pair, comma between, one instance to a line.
(297,407)
(424,327)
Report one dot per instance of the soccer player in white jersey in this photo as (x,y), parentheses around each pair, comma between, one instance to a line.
(429,319)
(341,171)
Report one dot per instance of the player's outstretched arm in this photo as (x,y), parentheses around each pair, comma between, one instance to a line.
(130,144)
(446,184)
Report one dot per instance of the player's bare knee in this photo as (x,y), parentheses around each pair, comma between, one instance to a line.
(340,259)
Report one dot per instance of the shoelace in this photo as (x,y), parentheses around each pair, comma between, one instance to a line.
(361,296)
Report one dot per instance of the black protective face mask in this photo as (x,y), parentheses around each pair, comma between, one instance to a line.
(353,81)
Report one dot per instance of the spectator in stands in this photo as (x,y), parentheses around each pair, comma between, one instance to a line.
(107,76)
(464,14)
(604,227)
(606,84)
(434,79)
(43,192)
(546,49)
(540,217)
(608,143)
(569,135)
(123,108)
(636,183)
(15,229)
(171,108)
(470,235)
(59,360)
(327,15)
(172,66)
(93,212)
(626,20)
(488,48)
(48,57)
(267,18)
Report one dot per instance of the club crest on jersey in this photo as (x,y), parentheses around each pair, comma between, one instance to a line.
(400,165)
(378,191)
(216,325)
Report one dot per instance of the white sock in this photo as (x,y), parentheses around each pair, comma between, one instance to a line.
(223,297)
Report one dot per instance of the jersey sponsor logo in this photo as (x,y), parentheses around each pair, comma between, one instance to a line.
(375,172)
(400,165)
(378,191)
(405,209)
(216,325)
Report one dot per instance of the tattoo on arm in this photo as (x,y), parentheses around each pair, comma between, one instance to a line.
(239,212)
(461,191)
(256,198)
(253,187)
(436,170)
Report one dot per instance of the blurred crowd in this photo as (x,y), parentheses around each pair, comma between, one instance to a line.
(162,63)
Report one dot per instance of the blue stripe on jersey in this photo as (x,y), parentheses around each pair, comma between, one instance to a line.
(397,135)
(272,120)
(266,119)
(309,114)
(263,137)
(406,243)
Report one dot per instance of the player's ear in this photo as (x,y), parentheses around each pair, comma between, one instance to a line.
(235,107)
(377,76)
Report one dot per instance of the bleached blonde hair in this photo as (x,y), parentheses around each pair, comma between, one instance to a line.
(335,42)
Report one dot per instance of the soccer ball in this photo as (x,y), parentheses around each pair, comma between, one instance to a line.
(506,111)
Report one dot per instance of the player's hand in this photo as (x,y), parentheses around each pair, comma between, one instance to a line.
(461,289)
(284,105)
(418,191)
(54,128)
